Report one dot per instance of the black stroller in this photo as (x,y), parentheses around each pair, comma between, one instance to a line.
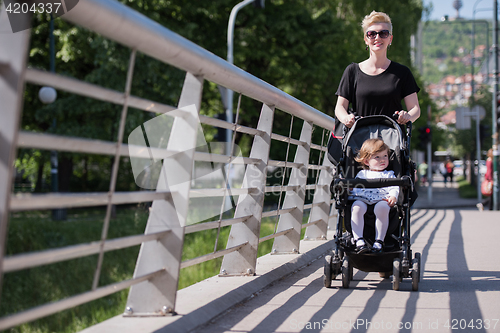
(396,259)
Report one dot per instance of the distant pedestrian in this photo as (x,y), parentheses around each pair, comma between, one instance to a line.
(442,170)
(422,170)
(449,170)
(488,202)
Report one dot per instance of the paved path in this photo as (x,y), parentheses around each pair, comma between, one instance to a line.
(442,197)
(460,286)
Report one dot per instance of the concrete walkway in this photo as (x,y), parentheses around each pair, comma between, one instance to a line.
(442,197)
(460,285)
(459,289)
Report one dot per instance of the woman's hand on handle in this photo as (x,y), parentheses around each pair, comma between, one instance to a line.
(341,113)
(349,120)
(403,117)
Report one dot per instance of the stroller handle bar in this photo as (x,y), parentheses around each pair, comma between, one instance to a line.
(341,183)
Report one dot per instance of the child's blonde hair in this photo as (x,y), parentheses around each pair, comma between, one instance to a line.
(376,17)
(369,148)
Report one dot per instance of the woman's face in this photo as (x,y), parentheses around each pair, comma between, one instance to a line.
(377,42)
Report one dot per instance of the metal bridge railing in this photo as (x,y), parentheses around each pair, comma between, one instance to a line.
(153,287)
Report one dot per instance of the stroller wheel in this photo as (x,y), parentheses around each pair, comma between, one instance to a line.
(346,272)
(415,275)
(396,270)
(327,277)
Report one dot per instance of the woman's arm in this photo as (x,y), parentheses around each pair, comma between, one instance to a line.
(413,107)
(341,113)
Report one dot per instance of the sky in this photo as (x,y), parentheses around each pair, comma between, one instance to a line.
(484,9)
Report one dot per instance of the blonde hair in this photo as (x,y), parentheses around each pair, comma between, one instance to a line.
(376,17)
(369,148)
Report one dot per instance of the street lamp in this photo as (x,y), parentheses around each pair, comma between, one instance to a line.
(48,95)
(230,39)
(494,106)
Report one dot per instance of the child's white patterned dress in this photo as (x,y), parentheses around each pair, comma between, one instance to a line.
(374,195)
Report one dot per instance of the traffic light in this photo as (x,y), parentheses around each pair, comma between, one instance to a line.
(484,132)
(424,136)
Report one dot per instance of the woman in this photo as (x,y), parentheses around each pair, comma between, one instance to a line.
(377,85)
(488,202)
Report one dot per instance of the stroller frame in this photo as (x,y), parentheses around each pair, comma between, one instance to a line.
(397,260)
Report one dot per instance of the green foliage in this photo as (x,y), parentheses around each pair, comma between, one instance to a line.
(465,189)
(36,231)
(445,43)
(299,46)
(446,51)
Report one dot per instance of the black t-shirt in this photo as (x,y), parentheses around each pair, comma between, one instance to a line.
(377,94)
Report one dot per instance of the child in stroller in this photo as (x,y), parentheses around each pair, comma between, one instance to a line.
(374,158)
(396,257)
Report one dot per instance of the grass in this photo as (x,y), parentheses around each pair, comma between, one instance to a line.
(36,231)
(465,189)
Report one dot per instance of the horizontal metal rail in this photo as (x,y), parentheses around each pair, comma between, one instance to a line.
(22,202)
(305,225)
(210,256)
(278,188)
(319,167)
(51,308)
(277,212)
(284,164)
(315,186)
(62,143)
(91,146)
(86,89)
(35,259)
(214,224)
(318,147)
(207,157)
(138,32)
(227,125)
(219,192)
(308,206)
(276,234)
(282,138)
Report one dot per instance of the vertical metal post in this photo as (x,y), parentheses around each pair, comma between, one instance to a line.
(243,261)
(13,58)
(157,296)
(321,208)
(57,214)
(495,106)
(429,158)
(289,242)
(114,172)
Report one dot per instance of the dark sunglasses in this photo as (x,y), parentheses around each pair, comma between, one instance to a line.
(382,33)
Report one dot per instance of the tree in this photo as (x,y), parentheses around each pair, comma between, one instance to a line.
(299,46)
